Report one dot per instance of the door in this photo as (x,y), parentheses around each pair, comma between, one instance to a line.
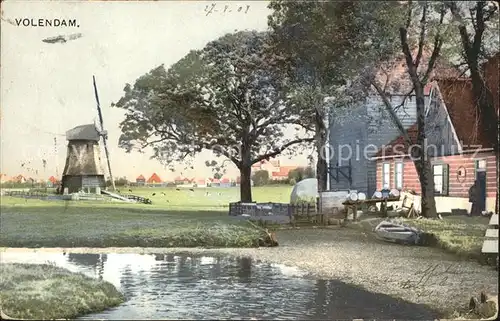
(481,182)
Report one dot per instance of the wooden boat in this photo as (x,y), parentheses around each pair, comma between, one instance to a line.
(397,233)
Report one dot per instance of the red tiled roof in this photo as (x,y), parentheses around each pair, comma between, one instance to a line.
(154,179)
(459,100)
(215,180)
(225,180)
(140,178)
(464,114)
(53,180)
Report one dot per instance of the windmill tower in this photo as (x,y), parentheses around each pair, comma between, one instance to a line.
(83,169)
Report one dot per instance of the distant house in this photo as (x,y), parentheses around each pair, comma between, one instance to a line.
(140,180)
(225,182)
(465,152)
(202,182)
(154,179)
(215,182)
(282,174)
(274,168)
(3,178)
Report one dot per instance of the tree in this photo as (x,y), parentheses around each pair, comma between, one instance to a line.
(357,38)
(301,173)
(323,45)
(260,178)
(479,40)
(227,98)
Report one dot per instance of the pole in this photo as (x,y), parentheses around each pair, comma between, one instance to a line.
(103,135)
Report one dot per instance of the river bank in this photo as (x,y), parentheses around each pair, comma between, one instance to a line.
(43,291)
(417,274)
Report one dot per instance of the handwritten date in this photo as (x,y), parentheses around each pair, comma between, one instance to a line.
(215,8)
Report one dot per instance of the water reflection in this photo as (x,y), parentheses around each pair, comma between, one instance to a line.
(167,286)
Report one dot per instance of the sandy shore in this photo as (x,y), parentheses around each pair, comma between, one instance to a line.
(417,274)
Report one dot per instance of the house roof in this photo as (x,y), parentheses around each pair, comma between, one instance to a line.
(460,104)
(140,178)
(154,179)
(225,180)
(53,180)
(215,180)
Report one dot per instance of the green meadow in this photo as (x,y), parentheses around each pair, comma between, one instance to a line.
(181,218)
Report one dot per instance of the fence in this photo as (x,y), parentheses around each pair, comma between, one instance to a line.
(138,198)
(490,244)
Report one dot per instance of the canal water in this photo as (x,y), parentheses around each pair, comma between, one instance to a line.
(161,286)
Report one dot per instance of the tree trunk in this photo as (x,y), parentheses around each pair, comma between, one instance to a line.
(245,184)
(322,162)
(422,161)
(487,113)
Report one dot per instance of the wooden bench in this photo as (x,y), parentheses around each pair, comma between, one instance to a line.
(490,244)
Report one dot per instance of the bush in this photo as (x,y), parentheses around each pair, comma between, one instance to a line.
(260,178)
(292,181)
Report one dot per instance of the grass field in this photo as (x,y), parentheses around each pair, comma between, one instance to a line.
(176,219)
(208,197)
(460,235)
(44,292)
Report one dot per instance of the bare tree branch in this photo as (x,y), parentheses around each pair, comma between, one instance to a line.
(392,113)
(281,149)
(421,40)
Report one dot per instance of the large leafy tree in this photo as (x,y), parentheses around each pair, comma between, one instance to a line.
(324,46)
(352,40)
(227,97)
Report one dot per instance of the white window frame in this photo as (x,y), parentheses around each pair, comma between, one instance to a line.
(398,175)
(438,174)
(386,175)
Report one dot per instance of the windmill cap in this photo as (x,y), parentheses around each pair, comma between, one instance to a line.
(83,132)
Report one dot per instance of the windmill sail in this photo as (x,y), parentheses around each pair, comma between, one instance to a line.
(103,134)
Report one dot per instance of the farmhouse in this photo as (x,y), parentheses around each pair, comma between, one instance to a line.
(357,132)
(460,146)
(154,179)
(140,180)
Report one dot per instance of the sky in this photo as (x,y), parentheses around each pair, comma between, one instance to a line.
(46,89)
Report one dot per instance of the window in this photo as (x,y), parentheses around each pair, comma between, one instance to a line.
(440,174)
(386,175)
(480,166)
(398,175)
(438,178)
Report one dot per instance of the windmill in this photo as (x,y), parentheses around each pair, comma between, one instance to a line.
(83,169)
(104,134)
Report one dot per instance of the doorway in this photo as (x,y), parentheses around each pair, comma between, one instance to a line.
(481,183)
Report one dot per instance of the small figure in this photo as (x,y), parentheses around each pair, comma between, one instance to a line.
(474,198)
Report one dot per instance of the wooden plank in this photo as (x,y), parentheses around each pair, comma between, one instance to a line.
(494,219)
(492,233)
(490,246)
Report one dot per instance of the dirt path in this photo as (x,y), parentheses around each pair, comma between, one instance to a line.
(417,274)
